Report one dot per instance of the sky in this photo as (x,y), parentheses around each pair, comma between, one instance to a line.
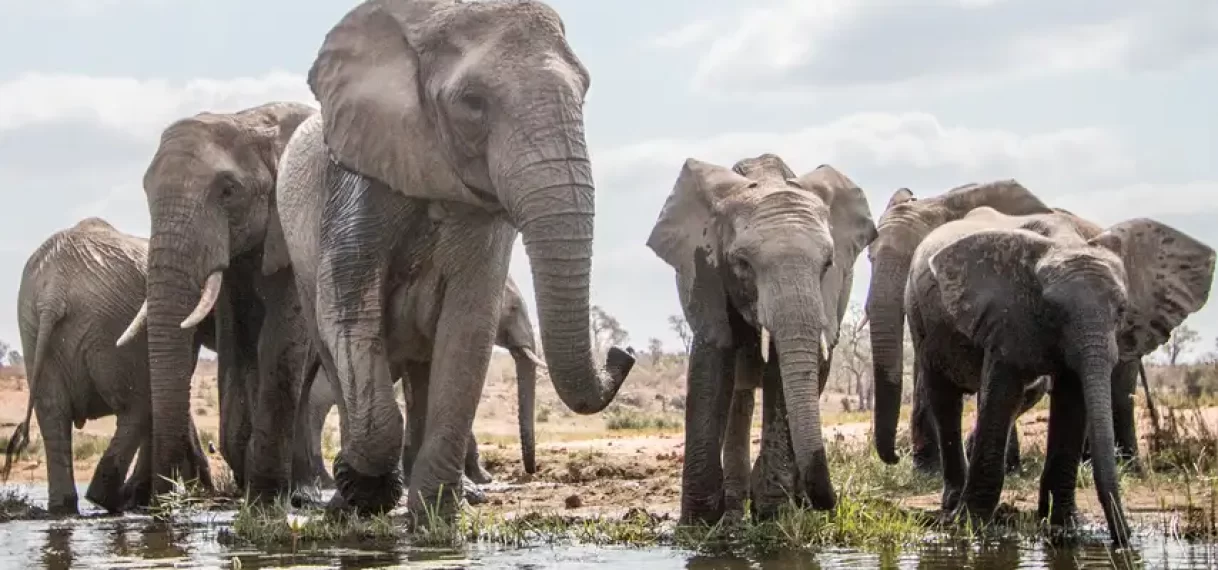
(1102,107)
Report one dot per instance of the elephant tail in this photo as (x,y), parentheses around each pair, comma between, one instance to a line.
(48,316)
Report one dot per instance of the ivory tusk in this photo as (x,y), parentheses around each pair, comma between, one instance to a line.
(137,323)
(528,353)
(207,300)
(765,345)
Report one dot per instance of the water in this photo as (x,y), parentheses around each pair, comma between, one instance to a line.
(94,541)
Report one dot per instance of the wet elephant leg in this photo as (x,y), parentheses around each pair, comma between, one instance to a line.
(946,404)
(106,488)
(137,491)
(1066,433)
(417,378)
(997,405)
(52,406)
(736,447)
(922,438)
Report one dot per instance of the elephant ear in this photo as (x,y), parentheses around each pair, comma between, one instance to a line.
(366,77)
(852,229)
(685,237)
(1168,278)
(1007,196)
(901,196)
(985,276)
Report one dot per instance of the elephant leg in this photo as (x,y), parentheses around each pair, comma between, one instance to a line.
(235,426)
(736,447)
(460,358)
(52,405)
(922,438)
(106,488)
(709,388)
(1012,456)
(280,359)
(137,491)
(200,468)
(946,404)
(474,470)
(1124,419)
(997,404)
(1067,426)
(417,379)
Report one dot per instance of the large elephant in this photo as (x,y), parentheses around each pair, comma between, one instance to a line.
(904,223)
(445,128)
(211,198)
(759,251)
(996,301)
(78,290)
(517,336)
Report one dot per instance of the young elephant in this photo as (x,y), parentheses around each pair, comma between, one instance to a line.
(517,336)
(79,290)
(757,251)
(996,301)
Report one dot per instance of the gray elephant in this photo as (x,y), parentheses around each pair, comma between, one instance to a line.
(759,251)
(996,301)
(211,199)
(445,128)
(78,290)
(905,222)
(517,336)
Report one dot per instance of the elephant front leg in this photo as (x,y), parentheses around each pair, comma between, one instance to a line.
(106,488)
(998,403)
(709,393)
(736,446)
(235,425)
(465,334)
(1124,418)
(1067,429)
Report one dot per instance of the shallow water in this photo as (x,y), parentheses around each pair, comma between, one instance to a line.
(94,541)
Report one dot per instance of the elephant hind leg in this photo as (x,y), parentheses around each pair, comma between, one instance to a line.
(53,406)
(106,488)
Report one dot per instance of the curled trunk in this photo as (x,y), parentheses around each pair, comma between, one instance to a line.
(551,197)
(886,310)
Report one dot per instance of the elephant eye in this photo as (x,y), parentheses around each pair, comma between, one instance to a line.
(472,102)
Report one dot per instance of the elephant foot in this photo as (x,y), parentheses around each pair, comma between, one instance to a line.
(703,511)
(951,499)
(365,494)
(110,500)
(64,506)
(470,491)
(479,475)
(137,494)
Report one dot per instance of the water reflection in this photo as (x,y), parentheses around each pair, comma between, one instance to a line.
(57,551)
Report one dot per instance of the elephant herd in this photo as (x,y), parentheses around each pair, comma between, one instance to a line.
(368,241)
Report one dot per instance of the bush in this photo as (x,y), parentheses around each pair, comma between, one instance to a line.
(633,420)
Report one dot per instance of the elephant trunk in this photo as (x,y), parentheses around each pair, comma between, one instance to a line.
(177,270)
(526,396)
(886,309)
(1096,361)
(795,320)
(550,195)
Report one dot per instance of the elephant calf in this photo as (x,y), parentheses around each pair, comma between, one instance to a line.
(517,336)
(78,291)
(996,301)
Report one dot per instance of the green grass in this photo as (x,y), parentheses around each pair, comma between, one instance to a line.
(621,420)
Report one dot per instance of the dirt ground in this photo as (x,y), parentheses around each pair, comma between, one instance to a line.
(584,468)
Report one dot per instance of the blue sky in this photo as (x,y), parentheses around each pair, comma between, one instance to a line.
(1103,107)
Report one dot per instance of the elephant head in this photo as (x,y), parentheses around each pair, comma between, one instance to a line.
(211,198)
(1085,303)
(516,334)
(904,223)
(481,103)
(757,243)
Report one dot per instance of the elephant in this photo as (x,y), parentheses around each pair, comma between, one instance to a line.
(759,251)
(996,301)
(905,222)
(446,129)
(516,335)
(211,200)
(78,290)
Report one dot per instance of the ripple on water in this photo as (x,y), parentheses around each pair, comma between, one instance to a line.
(94,541)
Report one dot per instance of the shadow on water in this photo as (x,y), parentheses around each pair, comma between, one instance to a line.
(96,541)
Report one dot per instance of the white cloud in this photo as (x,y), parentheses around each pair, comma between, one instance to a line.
(684,35)
(140,107)
(807,45)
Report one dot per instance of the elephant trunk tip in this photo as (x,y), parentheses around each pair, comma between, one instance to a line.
(618,364)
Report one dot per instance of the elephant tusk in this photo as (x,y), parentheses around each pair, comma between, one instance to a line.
(824,347)
(532,356)
(207,300)
(136,325)
(765,345)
